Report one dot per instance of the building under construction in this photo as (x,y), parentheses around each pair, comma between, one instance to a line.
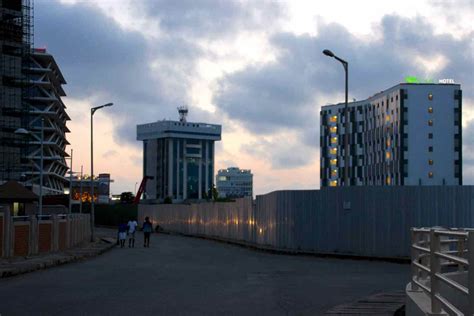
(32,114)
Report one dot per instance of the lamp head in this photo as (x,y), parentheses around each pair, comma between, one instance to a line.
(327,52)
(21,131)
(108,104)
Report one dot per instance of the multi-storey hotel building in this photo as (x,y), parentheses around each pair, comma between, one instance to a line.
(234,182)
(179,156)
(410,134)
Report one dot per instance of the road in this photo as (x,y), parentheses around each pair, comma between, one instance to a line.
(188,276)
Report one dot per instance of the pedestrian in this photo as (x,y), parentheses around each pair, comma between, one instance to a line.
(122,234)
(147,229)
(132,227)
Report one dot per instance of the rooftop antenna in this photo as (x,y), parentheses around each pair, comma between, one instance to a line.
(183,112)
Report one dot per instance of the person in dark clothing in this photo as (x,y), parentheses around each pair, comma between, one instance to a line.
(122,234)
(147,230)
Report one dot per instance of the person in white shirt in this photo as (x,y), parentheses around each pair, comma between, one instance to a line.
(132,228)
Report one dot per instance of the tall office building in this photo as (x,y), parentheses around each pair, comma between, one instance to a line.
(234,182)
(410,134)
(30,103)
(179,156)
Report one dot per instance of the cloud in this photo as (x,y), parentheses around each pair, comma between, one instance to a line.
(271,98)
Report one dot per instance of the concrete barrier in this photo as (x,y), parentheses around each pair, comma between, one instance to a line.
(31,235)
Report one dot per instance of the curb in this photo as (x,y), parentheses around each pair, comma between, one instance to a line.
(293,252)
(53,260)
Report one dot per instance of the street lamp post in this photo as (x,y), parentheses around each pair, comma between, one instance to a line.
(93,110)
(26,132)
(345,64)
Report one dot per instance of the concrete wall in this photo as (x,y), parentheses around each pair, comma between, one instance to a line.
(360,221)
(28,235)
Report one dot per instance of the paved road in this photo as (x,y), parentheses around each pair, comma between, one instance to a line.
(187,276)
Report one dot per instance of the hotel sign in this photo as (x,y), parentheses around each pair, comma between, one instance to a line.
(413,79)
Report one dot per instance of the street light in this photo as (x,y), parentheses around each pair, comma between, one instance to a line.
(23,131)
(345,64)
(93,110)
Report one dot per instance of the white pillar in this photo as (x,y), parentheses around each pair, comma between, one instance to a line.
(185,173)
(206,165)
(200,175)
(170,167)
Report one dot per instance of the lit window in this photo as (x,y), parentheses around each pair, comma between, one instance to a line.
(333,151)
(334,172)
(430,110)
(430,122)
(333,183)
(222,178)
(333,129)
(389,180)
(430,162)
(333,140)
(430,174)
(388,142)
(387,118)
(388,155)
(334,162)
(333,119)
(430,96)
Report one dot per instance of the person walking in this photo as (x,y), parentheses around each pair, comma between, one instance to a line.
(132,227)
(147,230)
(122,234)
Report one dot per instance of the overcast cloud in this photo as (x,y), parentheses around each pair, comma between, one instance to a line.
(148,76)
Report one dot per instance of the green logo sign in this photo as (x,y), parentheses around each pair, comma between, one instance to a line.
(413,79)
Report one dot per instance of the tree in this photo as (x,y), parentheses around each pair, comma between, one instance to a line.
(127,197)
(168,200)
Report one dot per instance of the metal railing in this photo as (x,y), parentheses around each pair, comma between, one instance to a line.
(437,254)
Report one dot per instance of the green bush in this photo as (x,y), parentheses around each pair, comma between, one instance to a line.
(111,214)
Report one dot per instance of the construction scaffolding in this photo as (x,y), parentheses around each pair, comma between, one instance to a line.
(16,41)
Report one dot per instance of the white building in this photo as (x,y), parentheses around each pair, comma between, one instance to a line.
(179,155)
(234,182)
(410,134)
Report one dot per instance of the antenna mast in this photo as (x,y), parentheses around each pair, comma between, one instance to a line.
(183,112)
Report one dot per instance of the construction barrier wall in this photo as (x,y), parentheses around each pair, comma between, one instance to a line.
(356,221)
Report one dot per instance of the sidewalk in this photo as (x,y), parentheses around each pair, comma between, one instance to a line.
(19,265)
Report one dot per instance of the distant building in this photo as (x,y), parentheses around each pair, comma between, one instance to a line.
(234,182)
(410,134)
(179,155)
(101,188)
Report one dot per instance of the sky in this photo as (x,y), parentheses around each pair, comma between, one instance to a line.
(254,67)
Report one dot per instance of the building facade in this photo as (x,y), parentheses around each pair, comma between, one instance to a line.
(234,182)
(410,134)
(30,105)
(179,155)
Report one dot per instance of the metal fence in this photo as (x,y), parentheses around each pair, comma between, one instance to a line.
(444,258)
(359,221)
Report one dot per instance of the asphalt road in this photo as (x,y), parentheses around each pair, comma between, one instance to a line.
(187,276)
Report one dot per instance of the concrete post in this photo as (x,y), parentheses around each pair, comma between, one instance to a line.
(470,247)
(414,258)
(34,236)
(434,268)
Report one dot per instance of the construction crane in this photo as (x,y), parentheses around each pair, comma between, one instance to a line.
(141,189)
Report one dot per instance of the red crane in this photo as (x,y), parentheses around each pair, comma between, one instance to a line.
(141,189)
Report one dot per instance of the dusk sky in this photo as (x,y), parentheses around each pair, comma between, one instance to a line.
(255,67)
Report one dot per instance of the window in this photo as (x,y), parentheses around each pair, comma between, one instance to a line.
(388,155)
(430,174)
(430,162)
(333,183)
(333,151)
(430,110)
(333,140)
(389,180)
(333,119)
(430,149)
(334,162)
(222,178)
(333,129)
(430,96)
(334,172)
(388,142)
(430,122)
(430,135)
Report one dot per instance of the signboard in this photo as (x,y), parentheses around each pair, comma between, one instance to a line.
(413,79)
